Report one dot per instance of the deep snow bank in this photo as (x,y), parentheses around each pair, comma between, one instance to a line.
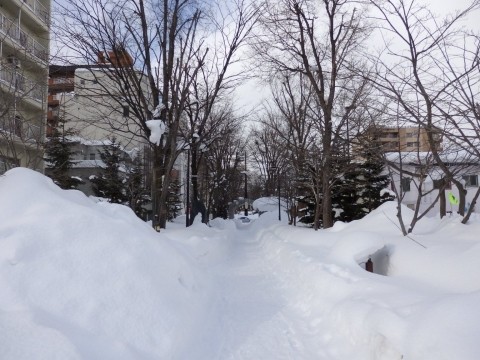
(87,280)
(425,307)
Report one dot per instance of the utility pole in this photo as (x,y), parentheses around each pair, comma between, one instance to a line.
(279,207)
(187,212)
(246,193)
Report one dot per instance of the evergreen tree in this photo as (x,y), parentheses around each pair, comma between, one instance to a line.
(359,191)
(174,204)
(345,197)
(306,199)
(110,183)
(373,184)
(136,192)
(58,155)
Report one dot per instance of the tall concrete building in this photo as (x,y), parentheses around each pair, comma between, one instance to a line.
(24,50)
(406,139)
(89,100)
(87,103)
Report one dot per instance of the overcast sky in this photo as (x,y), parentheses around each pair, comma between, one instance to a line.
(251,94)
(447,6)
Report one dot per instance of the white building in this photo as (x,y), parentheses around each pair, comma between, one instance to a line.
(24,44)
(91,104)
(416,166)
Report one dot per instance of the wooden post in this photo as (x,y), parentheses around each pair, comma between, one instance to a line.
(369,265)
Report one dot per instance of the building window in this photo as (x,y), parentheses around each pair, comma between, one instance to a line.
(390,145)
(405,184)
(412,144)
(92,156)
(442,183)
(391,135)
(126,111)
(471,180)
(7,163)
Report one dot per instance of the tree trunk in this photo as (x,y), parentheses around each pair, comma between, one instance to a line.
(327,174)
(400,218)
(461,195)
(197,204)
(443,202)
(471,207)
(316,217)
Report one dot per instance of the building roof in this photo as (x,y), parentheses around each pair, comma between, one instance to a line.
(70,69)
(419,158)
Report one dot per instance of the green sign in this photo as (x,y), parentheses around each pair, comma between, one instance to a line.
(453,200)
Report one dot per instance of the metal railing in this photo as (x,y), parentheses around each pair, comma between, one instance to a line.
(62,80)
(32,132)
(21,129)
(39,10)
(17,82)
(11,125)
(11,29)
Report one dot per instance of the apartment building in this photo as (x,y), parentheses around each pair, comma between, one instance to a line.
(405,139)
(89,103)
(24,50)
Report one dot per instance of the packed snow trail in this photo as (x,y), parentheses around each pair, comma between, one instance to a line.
(246,305)
(254,314)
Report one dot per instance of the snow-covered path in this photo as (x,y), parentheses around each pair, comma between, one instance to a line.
(246,315)
(254,313)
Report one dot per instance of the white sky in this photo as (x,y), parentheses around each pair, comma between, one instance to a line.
(252,93)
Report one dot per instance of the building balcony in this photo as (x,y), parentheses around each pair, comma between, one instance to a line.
(37,9)
(12,31)
(53,100)
(32,132)
(62,84)
(19,130)
(17,83)
(52,115)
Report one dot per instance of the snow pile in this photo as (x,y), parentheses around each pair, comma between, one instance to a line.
(268,204)
(86,280)
(424,309)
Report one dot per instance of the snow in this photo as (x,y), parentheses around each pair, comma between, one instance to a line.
(157,129)
(81,279)
(268,204)
(93,164)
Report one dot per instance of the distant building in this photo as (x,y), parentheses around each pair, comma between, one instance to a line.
(405,139)
(417,166)
(24,49)
(91,116)
(87,162)
(78,95)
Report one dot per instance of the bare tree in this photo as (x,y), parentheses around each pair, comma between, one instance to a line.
(153,53)
(320,40)
(233,23)
(289,118)
(224,163)
(459,105)
(268,152)
(413,73)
